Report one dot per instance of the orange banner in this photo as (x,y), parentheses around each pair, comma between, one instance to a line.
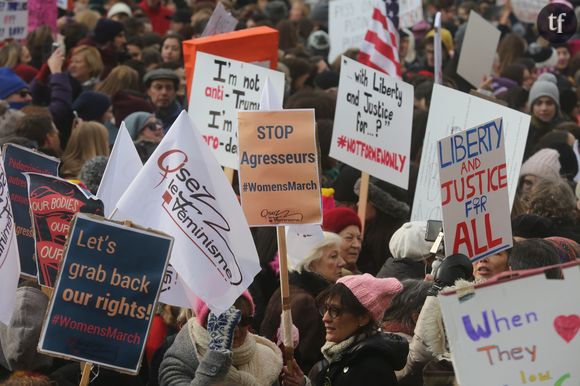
(254,45)
(279,181)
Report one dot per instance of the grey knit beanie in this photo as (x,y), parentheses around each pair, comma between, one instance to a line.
(546,85)
(92,172)
(135,122)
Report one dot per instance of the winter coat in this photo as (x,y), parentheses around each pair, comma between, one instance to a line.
(370,362)
(304,288)
(402,269)
(169,115)
(257,362)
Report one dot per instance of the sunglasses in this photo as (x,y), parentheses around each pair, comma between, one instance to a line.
(333,311)
(23,93)
(153,126)
(245,321)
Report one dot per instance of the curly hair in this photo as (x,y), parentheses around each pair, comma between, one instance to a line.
(550,198)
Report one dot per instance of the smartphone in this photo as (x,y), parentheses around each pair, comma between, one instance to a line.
(55,46)
(434,227)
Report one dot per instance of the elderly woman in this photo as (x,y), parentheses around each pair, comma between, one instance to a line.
(213,350)
(316,272)
(345,223)
(355,352)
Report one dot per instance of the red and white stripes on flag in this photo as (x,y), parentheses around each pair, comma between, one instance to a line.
(380,48)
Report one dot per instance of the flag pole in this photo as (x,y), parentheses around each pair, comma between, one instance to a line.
(286,319)
(362,199)
(438,49)
(229,172)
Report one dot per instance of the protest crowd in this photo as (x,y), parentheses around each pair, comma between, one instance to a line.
(364,297)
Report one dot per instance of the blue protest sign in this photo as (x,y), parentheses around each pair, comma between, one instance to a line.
(18,160)
(105,294)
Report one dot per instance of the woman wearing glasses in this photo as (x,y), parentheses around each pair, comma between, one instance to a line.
(146,131)
(355,352)
(212,350)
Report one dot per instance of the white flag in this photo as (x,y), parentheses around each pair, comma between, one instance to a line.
(9,257)
(123,166)
(269,100)
(183,191)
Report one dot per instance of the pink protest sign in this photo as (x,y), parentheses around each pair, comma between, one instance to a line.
(42,12)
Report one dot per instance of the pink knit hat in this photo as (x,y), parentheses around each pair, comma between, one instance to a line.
(202,310)
(374,294)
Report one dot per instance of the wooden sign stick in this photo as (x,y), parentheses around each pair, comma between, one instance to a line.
(362,199)
(286,320)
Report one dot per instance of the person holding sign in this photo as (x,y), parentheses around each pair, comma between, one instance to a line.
(356,352)
(215,349)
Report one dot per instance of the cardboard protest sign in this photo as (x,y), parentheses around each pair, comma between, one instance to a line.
(17,160)
(104,300)
(183,191)
(234,45)
(42,12)
(220,88)
(450,112)
(475,198)
(9,258)
(279,182)
(372,125)
(348,22)
(517,332)
(527,10)
(53,204)
(221,21)
(14,19)
(478,49)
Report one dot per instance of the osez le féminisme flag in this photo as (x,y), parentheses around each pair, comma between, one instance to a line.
(9,257)
(183,191)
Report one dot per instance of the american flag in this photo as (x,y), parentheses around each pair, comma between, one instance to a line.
(380,48)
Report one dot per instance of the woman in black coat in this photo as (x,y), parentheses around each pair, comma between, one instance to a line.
(355,352)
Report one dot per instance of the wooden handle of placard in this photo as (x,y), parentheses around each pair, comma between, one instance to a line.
(229,172)
(86,375)
(286,322)
(362,199)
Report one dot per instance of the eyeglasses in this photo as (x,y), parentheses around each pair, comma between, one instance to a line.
(23,93)
(153,126)
(333,311)
(245,321)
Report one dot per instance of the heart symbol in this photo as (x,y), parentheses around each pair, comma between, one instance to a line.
(567,326)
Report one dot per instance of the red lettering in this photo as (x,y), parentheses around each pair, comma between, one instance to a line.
(462,237)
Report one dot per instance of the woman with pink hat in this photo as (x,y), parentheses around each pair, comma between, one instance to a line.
(355,352)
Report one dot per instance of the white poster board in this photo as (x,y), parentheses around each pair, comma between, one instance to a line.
(221,21)
(372,123)
(519,332)
(348,22)
(478,49)
(450,112)
(220,88)
(527,10)
(475,198)
(13,19)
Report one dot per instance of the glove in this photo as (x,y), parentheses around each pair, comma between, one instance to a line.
(452,268)
(221,329)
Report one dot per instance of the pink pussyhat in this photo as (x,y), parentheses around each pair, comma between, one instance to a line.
(374,294)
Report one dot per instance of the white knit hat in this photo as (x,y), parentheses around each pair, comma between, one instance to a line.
(119,8)
(409,241)
(545,163)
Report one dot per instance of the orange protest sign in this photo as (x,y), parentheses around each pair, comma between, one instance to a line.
(279,181)
(254,45)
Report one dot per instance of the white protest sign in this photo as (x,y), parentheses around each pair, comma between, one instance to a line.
(478,49)
(13,19)
(475,198)
(450,112)
(348,22)
(517,332)
(221,21)
(372,125)
(220,88)
(301,240)
(527,10)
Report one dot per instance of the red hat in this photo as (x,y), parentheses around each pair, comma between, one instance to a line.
(336,219)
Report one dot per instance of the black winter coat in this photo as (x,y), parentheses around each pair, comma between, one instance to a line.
(371,362)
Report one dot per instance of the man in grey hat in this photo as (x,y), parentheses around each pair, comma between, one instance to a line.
(161,85)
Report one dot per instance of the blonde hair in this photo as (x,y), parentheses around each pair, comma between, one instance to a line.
(87,140)
(88,17)
(316,253)
(10,55)
(120,78)
(92,58)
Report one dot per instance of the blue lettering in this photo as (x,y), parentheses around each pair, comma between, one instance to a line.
(482,332)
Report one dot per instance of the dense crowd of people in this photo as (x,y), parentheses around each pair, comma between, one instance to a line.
(363,300)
